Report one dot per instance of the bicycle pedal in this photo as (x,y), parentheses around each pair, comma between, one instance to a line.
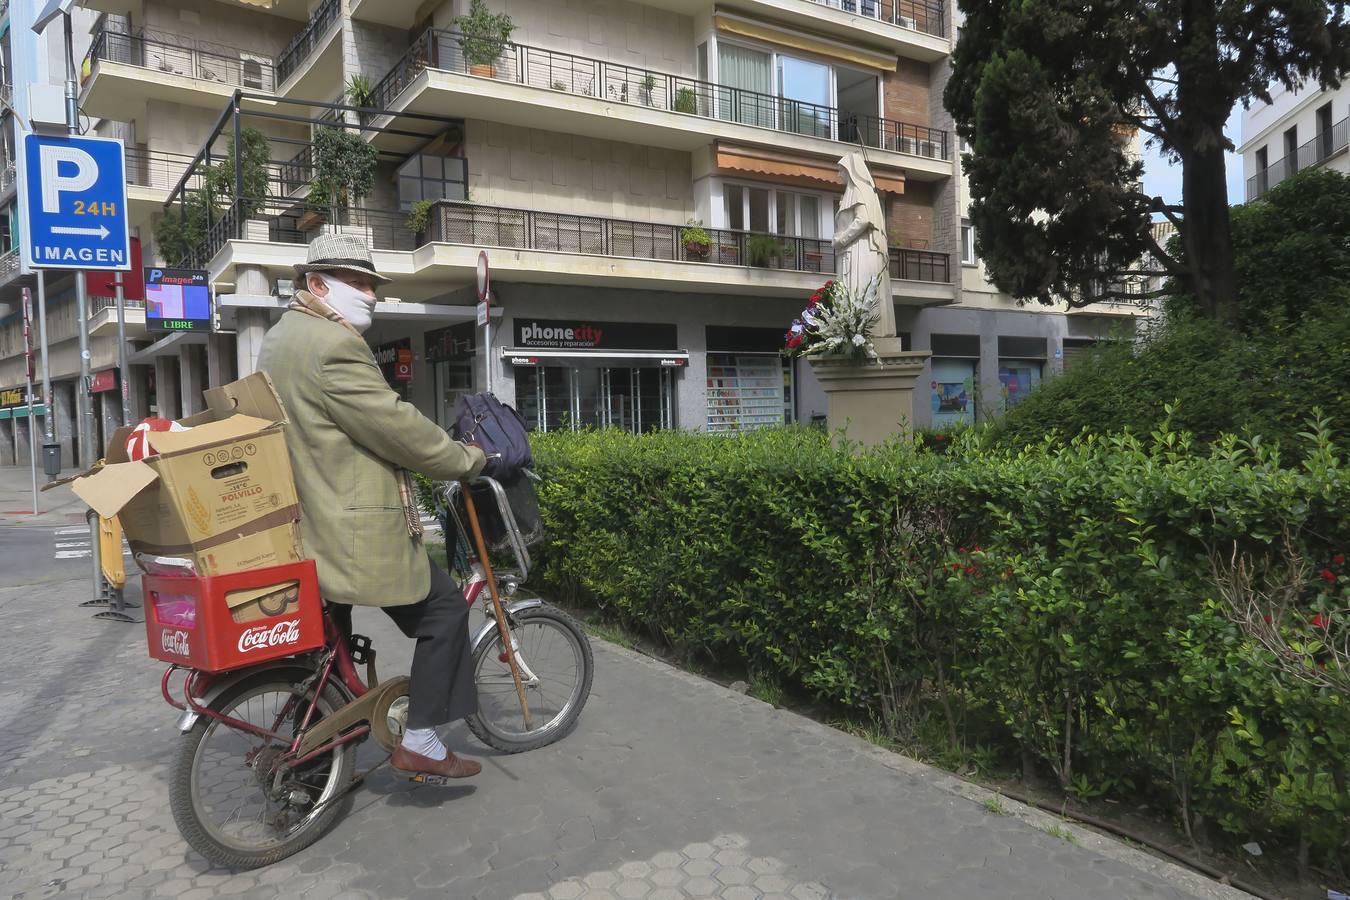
(427,778)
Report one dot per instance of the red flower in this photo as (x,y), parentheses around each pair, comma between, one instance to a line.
(1319,622)
(961,550)
(794,342)
(970,570)
(939,437)
(1328,575)
(1338,559)
(1268,619)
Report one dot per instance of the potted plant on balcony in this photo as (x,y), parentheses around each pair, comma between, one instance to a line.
(686,101)
(763,249)
(344,172)
(360,90)
(483,38)
(648,86)
(695,239)
(418,218)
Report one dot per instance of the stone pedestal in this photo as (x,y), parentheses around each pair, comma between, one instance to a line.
(871,402)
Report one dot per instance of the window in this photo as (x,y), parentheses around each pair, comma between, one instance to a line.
(965,146)
(432,178)
(1291,151)
(793,214)
(554,398)
(967,243)
(751,72)
(805,89)
(953,391)
(251,70)
(1324,144)
(1017,377)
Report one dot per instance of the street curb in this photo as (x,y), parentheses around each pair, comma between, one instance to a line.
(1187,879)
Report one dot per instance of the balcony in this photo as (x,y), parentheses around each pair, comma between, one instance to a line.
(545,89)
(122,71)
(312,62)
(9,266)
(8,175)
(560,248)
(1329,143)
(915,15)
(151,175)
(103,317)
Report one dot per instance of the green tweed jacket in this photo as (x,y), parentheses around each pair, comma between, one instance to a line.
(347,433)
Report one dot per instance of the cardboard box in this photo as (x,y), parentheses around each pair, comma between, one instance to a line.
(220,494)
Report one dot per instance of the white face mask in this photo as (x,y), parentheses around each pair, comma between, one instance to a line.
(356,306)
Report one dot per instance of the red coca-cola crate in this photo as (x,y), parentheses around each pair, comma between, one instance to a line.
(219,623)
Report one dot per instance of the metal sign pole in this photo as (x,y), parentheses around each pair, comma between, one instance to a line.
(28,367)
(122,372)
(46,362)
(84,399)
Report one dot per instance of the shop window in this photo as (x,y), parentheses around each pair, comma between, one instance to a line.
(749,383)
(1017,378)
(556,398)
(953,386)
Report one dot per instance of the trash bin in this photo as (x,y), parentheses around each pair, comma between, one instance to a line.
(51,459)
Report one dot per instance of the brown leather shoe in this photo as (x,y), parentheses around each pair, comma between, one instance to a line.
(451,767)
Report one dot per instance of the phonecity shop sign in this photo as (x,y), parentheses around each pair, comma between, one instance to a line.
(563,334)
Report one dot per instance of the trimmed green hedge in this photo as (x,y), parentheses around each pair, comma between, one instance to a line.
(1069,595)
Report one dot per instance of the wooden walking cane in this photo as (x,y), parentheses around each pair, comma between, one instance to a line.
(502,631)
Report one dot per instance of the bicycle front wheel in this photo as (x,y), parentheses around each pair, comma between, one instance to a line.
(555,660)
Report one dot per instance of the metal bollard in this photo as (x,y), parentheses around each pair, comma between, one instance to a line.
(100,597)
(112,570)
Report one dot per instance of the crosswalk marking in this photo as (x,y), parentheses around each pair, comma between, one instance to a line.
(83,531)
(73,543)
(61,546)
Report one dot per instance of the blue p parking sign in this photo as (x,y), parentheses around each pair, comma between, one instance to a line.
(75,203)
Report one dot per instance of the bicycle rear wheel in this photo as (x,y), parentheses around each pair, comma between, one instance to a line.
(232,800)
(556,667)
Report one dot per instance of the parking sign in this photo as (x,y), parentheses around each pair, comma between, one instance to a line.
(75,202)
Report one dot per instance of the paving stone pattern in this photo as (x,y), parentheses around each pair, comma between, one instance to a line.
(672,787)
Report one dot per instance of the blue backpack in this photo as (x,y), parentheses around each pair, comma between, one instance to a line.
(498,429)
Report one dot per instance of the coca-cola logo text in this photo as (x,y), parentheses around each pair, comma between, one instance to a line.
(278,635)
(175,642)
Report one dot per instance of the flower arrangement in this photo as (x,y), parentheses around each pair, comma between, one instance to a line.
(836,321)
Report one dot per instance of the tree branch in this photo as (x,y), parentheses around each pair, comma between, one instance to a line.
(1165,122)
(1169,263)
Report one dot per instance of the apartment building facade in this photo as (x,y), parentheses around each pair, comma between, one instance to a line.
(578,158)
(1297,130)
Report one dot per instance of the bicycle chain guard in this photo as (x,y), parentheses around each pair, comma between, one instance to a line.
(372,707)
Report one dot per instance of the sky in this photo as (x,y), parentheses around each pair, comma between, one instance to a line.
(1162,179)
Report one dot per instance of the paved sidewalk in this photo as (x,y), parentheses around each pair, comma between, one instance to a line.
(671,787)
(56,507)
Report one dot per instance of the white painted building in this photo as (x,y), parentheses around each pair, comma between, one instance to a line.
(1297,130)
(576,159)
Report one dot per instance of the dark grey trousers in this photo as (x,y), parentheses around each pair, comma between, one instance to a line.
(442,688)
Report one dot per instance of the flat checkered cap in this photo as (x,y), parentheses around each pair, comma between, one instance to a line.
(329,252)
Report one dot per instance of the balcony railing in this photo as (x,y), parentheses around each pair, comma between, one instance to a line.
(297,172)
(99,304)
(7,175)
(1316,151)
(920,265)
(182,56)
(930,18)
(157,169)
(9,265)
(477,225)
(614,82)
(464,223)
(307,41)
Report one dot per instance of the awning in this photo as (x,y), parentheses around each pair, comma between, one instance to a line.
(167,346)
(531,356)
(21,412)
(786,37)
(794,169)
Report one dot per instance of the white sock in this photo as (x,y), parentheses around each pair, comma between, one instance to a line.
(424,742)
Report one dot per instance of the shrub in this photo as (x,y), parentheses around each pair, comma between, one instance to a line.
(1264,383)
(1072,597)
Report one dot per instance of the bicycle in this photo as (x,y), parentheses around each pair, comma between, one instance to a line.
(279,737)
